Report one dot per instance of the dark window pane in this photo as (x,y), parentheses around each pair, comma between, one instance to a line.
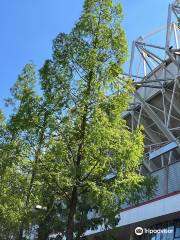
(158,236)
(170,235)
(153,237)
(164,235)
(143,237)
(177,229)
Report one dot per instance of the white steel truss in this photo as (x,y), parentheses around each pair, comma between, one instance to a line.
(155,69)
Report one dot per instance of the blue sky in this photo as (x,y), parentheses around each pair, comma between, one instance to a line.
(29,26)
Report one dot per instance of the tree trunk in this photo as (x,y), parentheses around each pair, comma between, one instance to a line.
(74,196)
(43,232)
(72,211)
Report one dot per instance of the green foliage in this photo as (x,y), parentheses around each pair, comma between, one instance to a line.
(58,147)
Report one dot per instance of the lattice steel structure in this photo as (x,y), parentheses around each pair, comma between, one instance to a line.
(155,69)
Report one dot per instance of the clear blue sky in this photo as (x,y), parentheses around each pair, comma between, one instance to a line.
(29,26)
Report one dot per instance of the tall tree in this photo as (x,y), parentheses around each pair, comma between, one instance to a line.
(67,141)
(23,140)
(93,139)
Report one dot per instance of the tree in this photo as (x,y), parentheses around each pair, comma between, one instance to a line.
(92,139)
(73,135)
(21,148)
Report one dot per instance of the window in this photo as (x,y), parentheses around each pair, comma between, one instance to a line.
(153,237)
(170,235)
(158,236)
(164,235)
(177,230)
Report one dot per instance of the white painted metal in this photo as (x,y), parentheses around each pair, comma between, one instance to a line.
(157,98)
(167,148)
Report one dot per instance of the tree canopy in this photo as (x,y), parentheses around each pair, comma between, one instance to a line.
(60,143)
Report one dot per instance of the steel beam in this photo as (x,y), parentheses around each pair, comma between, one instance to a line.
(157,120)
(154,137)
(167,148)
